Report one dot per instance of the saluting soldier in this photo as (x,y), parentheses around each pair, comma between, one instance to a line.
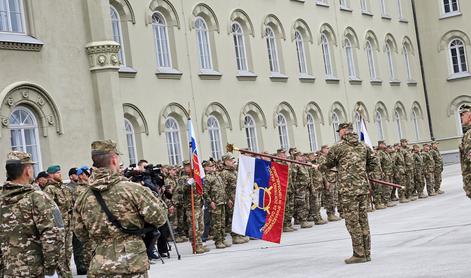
(465,148)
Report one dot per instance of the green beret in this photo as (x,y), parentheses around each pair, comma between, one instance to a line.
(53,169)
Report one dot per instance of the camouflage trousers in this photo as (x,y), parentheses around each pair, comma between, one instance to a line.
(419,182)
(386,190)
(66,256)
(182,224)
(229,213)
(430,181)
(437,179)
(301,209)
(82,254)
(355,211)
(199,223)
(218,223)
(409,184)
(330,199)
(402,180)
(314,201)
(289,207)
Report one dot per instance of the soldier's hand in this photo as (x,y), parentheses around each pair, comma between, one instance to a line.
(171,210)
(191,181)
(230,204)
(315,166)
(213,205)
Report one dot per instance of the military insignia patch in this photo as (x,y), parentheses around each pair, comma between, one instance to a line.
(57,217)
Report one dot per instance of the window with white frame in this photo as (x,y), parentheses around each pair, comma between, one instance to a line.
(272,50)
(251,133)
(12,16)
(371,60)
(450,6)
(350,59)
(117,33)
(215,140)
(282,126)
(335,125)
(162,46)
(458,59)
(301,52)
(399,9)
(24,134)
(389,56)
(379,125)
(344,4)
(312,133)
(415,122)
(357,122)
(174,142)
(239,44)
(398,122)
(131,140)
(384,8)
(326,54)
(364,5)
(204,48)
(323,2)
(407,62)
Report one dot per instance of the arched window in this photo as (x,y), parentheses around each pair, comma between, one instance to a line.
(335,125)
(161,40)
(371,61)
(272,50)
(312,133)
(215,140)
(389,55)
(301,51)
(24,134)
(251,133)
(350,59)
(204,50)
(282,125)
(407,62)
(415,122)
(117,33)
(174,142)
(239,44)
(329,72)
(458,60)
(379,125)
(12,16)
(131,140)
(398,122)
(450,6)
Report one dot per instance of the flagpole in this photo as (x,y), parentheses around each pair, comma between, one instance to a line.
(192,191)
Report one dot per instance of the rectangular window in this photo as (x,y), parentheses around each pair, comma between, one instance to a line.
(450,6)
(11,16)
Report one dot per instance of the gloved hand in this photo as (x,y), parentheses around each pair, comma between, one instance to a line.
(191,181)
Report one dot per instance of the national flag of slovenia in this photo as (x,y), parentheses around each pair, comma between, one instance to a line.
(198,170)
(260,199)
(364,136)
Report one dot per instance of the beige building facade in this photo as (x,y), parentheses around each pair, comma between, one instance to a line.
(259,74)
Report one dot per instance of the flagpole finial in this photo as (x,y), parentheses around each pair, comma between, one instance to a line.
(230,148)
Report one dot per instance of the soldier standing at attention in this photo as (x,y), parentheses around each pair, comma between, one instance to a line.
(409,177)
(437,157)
(419,178)
(289,206)
(429,167)
(63,197)
(400,173)
(117,253)
(354,162)
(179,203)
(330,194)
(388,172)
(465,148)
(31,226)
(302,182)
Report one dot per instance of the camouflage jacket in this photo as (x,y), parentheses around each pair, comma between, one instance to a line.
(378,172)
(72,186)
(400,164)
(330,176)
(63,198)
(170,183)
(301,177)
(133,205)
(214,189)
(429,163)
(229,177)
(418,165)
(465,158)
(437,157)
(31,232)
(354,161)
(408,160)
(386,163)
(186,192)
(316,180)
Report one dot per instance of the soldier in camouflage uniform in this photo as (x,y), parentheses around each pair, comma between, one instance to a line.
(465,148)
(376,190)
(429,168)
(315,195)
(387,167)
(437,157)
(117,254)
(354,162)
(419,178)
(216,198)
(178,199)
(63,197)
(289,205)
(409,193)
(400,172)
(330,194)
(31,226)
(302,181)
(188,184)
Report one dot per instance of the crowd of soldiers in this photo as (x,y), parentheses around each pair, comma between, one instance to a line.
(79,223)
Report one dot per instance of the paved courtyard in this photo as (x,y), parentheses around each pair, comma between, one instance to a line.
(425,238)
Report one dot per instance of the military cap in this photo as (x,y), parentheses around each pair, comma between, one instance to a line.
(396,145)
(42,174)
(324,146)
(17,157)
(73,171)
(186,162)
(297,153)
(427,144)
(227,156)
(105,147)
(415,145)
(53,169)
(280,150)
(435,143)
(381,142)
(465,108)
(208,163)
(403,140)
(345,125)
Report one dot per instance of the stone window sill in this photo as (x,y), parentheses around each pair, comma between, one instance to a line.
(376,82)
(457,76)
(449,15)
(386,17)
(209,75)
(346,9)
(127,72)
(322,4)
(300,1)
(168,73)
(246,76)
(411,83)
(332,80)
(403,20)
(278,77)
(307,78)
(20,42)
(367,13)
(355,81)
(395,83)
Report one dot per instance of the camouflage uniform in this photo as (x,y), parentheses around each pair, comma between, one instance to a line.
(289,207)
(353,161)
(465,159)
(83,251)
(400,172)
(409,175)
(179,202)
(215,191)
(387,167)
(229,178)
(437,157)
(329,190)
(429,168)
(117,254)
(63,197)
(301,181)
(418,173)
(315,195)
(377,189)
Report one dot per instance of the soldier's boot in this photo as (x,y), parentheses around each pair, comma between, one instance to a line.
(391,204)
(179,239)
(370,209)
(355,260)
(414,198)
(200,249)
(220,245)
(287,229)
(306,225)
(205,248)
(380,206)
(227,243)
(432,194)
(440,191)
(403,200)
(331,217)
(319,221)
(422,196)
(310,219)
(237,239)
(296,222)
